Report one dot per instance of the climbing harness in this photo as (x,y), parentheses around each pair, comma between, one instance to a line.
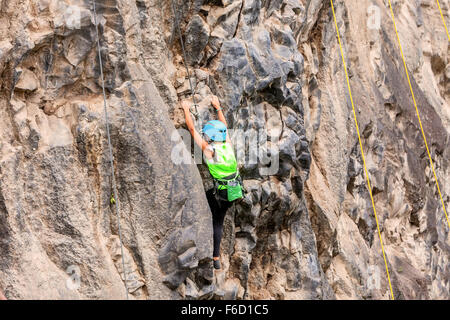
(232,184)
(111,157)
(177,24)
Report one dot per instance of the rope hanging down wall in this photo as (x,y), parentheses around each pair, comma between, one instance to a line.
(177,26)
(111,157)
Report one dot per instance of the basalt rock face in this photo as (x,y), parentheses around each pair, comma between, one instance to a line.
(59,229)
(305,229)
(308,230)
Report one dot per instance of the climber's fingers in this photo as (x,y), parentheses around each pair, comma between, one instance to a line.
(214,100)
(186,105)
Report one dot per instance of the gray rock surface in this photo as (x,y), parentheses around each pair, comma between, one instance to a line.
(55,176)
(303,231)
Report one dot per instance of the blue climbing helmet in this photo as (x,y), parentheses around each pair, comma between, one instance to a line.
(215,130)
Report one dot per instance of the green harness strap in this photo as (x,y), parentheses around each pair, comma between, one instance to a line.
(233,186)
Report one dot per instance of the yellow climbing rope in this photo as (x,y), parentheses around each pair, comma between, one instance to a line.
(362,151)
(418,114)
(443,20)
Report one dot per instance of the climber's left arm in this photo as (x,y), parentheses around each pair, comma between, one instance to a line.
(207,150)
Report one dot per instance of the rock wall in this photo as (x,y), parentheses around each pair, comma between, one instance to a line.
(303,231)
(57,216)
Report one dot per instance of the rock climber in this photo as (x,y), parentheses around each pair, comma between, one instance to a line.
(219,157)
(2,296)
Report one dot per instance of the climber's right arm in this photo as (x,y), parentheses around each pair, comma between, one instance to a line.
(207,150)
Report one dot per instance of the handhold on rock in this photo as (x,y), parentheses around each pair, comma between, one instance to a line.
(305,160)
(191,290)
(27,80)
(201,75)
(206,292)
(188,259)
(197,36)
(175,279)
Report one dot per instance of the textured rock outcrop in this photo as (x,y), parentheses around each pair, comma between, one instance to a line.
(55,183)
(304,231)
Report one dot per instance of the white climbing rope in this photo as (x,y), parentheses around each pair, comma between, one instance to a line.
(111,157)
(177,23)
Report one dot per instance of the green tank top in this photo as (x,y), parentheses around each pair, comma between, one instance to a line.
(224,163)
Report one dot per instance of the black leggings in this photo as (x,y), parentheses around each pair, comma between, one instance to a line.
(219,210)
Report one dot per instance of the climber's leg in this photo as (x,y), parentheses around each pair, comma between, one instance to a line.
(218,211)
(217,217)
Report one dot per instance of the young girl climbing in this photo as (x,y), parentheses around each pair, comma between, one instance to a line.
(221,161)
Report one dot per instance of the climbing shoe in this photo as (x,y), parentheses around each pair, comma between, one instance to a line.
(217,264)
